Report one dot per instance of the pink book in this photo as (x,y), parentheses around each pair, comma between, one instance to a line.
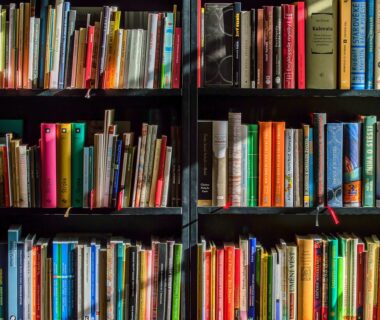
(90,48)
(177,58)
(301,45)
(219,284)
(48,165)
(288,46)
(160,176)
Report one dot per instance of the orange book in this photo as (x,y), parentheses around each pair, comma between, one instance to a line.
(278,167)
(305,277)
(265,164)
(229,280)
(207,284)
(237,280)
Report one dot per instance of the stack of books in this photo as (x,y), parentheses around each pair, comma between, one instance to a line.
(74,277)
(313,44)
(116,170)
(269,165)
(317,277)
(59,46)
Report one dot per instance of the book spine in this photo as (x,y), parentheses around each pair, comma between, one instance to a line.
(57,282)
(78,131)
(36,52)
(277,47)
(265,164)
(177,281)
(48,166)
(69,47)
(237,44)
(160,175)
(245,61)
(334,163)
(253,48)
(177,58)
(89,53)
(244,165)
(361,261)
(317,301)
(229,276)
(252,279)
(57,45)
(333,279)
(278,164)
(205,141)
(358,40)
(20,280)
(252,164)
(370,44)
(298,168)
(13,238)
(63,40)
(65,280)
(292,258)
(319,121)
(289,169)
(301,65)
(116,173)
(43,23)
(377,164)
(340,287)
(167,52)
(311,168)
(260,49)
(268,47)
(237,283)
(345,44)
(63,165)
(377,44)
(306,187)
(165,189)
(325,280)
(288,46)
(369,143)
(234,159)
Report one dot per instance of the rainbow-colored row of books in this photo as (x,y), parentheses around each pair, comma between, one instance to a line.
(269,165)
(316,277)
(59,46)
(89,278)
(112,171)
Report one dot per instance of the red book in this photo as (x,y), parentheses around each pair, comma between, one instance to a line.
(268,47)
(90,48)
(199,17)
(260,49)
(288,46)
(229,280)
(207,284)
(317,279)
(360,280)
(301,68)
(160,176)
(219,296)
(48,166)
(177,58)
(237,282)
(6,178)
(37,276)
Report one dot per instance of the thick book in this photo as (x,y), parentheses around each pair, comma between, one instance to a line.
(321,44)
(301,61)
(229,277)
(205,163)
(77,146)
(289,168)
(48,166)
(236,44)
(260,49)
(277,47)
(344,44)
(218,64)
(319,121)
(334,164)
(358,44)
(265,164)
(234,159)
(369,157)
(268,47)
(253,159)
(352,184)
(278,192)
(244,165)
(370,45)
(167,54)
(64,165)
(289,46)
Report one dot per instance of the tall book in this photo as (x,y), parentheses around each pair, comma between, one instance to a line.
(64,165)
(57,44)
(321,44)
(253,158)
(319,121)
(345,44)
(358,44)
(260,49)
(369,160)
(268,47)
(234,159)
(288,46)
(48,166)
(265,164)
(14,234)
(378,164)
(229,277)
(298,167)
(278,169)
(253,48)
(301,61)
(333,278)
(244,165)
(77,146)
(277,47)
(237,44)
(352,188)
(289,168)
(377,46)
(205,163)
(370,45)
(334,163)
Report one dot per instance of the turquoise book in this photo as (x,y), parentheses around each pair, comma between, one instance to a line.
(14,234)
(311,169)
(120,281)
(78,134)
(370,44)
(65,280)
(369,152)
(57,281)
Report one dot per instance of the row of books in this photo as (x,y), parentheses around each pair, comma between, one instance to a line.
(114,172)
(317,277)
(85,278)
(313,44)
(269,165)
(56,47)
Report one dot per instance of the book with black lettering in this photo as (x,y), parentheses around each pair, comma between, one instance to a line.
(218,53)
(162,274)
(237,44)
(205,163)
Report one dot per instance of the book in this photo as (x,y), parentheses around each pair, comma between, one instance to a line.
(289,168)
(234,159)
(236,44)
(298,168)
(244,165)
(245,39)
(77,147)
(277,47)
(268,46)
(260,49)
(377,164)
(306,169)
(265,164)
(319,121)
(64,165)
(288,46)
(252,189)
(301,60)
(345,44)
(376,48)
(370,45)
(253,48)
(278,186)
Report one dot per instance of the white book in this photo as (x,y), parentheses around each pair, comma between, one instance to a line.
(274,282)
(244,164)
(152,132)
(127,58)
(31,51)
(119,43)
(245,61)
(135,72)
(8,138)
(28,272)
(23,175)
(142,55)
(111,280)
(11,45)
(36,52)
(136,173)
(86,282)
(289,167)
(165,189)
(281,249)
(56,44)
(234,158)
(151,51)
(75,55)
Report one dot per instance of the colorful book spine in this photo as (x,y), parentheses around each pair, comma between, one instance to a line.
(57,281)
(334,162)
(89,53)
(311,168)
(377,45)
(65,280)
(116,173)
(120,275)
(177,58)
(14,234)
(358,49)
(333,279)
(278,164)
(252,279)
(277,47)
(319,121)
(301,60)
(268,47)
(78,133)
(63,165)
(48,166)
(370,45)
(317,288)
(253,48)
(345,44)
(289,170)
(20,279)
(306,163)
(166,68)
(265,164)
(369,157)
(252,165)
(176,300)
(288,46)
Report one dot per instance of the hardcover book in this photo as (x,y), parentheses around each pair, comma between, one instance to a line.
(205,141)
(265,164)
(288,46)
(345,44)
(369,161)
(319,121)
(219,162)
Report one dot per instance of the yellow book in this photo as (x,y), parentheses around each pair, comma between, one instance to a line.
(305,277)
(64,165)
(370,277)
(79,81)
(345,44)
(142,284)
(48,46)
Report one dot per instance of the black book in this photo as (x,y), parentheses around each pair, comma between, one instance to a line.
(162,273)
(132,277)
(205,163)
(253,48)
(218,55)
(237,44)
(277,48)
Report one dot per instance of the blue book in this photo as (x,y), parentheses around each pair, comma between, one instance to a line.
(115,188)
(14,234)
(311,168)
(62,57)
(71,281)
(43,26)
(93,281)
(358,44)
(65,282)
(20,279)
(370,44)
(57,281)
(251,278)
(120,284)
(3,280)
(167,53)
(334,161)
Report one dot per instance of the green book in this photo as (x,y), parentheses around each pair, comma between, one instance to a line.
(369,152)
(253,160)
(333,279)
(77,145)
(270,285)
(176,299)
(341,267)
